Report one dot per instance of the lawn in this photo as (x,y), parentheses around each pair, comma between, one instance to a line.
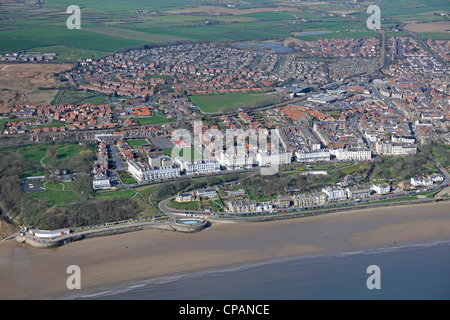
(116,194)
(223,103)
(351,169)
(146,191)
(57,197)
(126,177)
(34,154)
(191,205)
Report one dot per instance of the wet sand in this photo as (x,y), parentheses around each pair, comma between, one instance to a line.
(30,273)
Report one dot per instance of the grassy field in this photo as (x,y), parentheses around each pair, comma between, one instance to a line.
(155,119)
(222,103)
(146,191)
(191,205)
(116,194)
(340,35)
(118,26)
(137,142)
(37,152)
(57,197)
(78,98)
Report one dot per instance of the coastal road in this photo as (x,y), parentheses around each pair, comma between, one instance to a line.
(163,206)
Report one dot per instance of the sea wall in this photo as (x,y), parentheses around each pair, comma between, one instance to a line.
(51,243)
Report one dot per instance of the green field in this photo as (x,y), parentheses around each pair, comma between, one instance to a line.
(155,119)
(340,35)
(57,197)
(191,205)
(137,142)
(78,98)
(115,25)
(223,103)
(146,191)
(116,194)
(70,156)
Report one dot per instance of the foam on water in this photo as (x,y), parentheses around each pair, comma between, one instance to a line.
(407,271)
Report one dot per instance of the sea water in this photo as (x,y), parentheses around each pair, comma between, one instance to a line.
(420,271)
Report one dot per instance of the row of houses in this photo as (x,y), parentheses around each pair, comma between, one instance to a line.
(424,182)
(305,200)
(100,168)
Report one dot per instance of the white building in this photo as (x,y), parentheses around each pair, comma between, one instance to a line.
(353,154)
(264,159)
(381,188)
(312,156)
(403,139)
(101,182)
(419,182)
(357,192)
(207,193)
(235,161)
(143,172)
(199,166)
(264,206)
(323,98)
(335,193)
(436,178)
(394,149)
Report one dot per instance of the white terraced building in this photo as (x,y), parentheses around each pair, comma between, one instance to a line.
(353,154)
(335,193)
(381,188)
(234,161)
(312,156)
(273,159)
(394,149)
(199,166)
(143,172)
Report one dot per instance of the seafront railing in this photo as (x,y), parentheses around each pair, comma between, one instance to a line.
(116,223)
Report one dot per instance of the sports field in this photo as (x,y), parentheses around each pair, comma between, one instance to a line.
(224,103)
(137,142)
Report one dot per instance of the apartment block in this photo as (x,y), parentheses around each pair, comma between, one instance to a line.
(312,156)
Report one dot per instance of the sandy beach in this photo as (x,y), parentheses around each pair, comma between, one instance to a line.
(30,273)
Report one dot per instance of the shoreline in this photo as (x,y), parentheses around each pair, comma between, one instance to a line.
(32,273)
(109,292)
